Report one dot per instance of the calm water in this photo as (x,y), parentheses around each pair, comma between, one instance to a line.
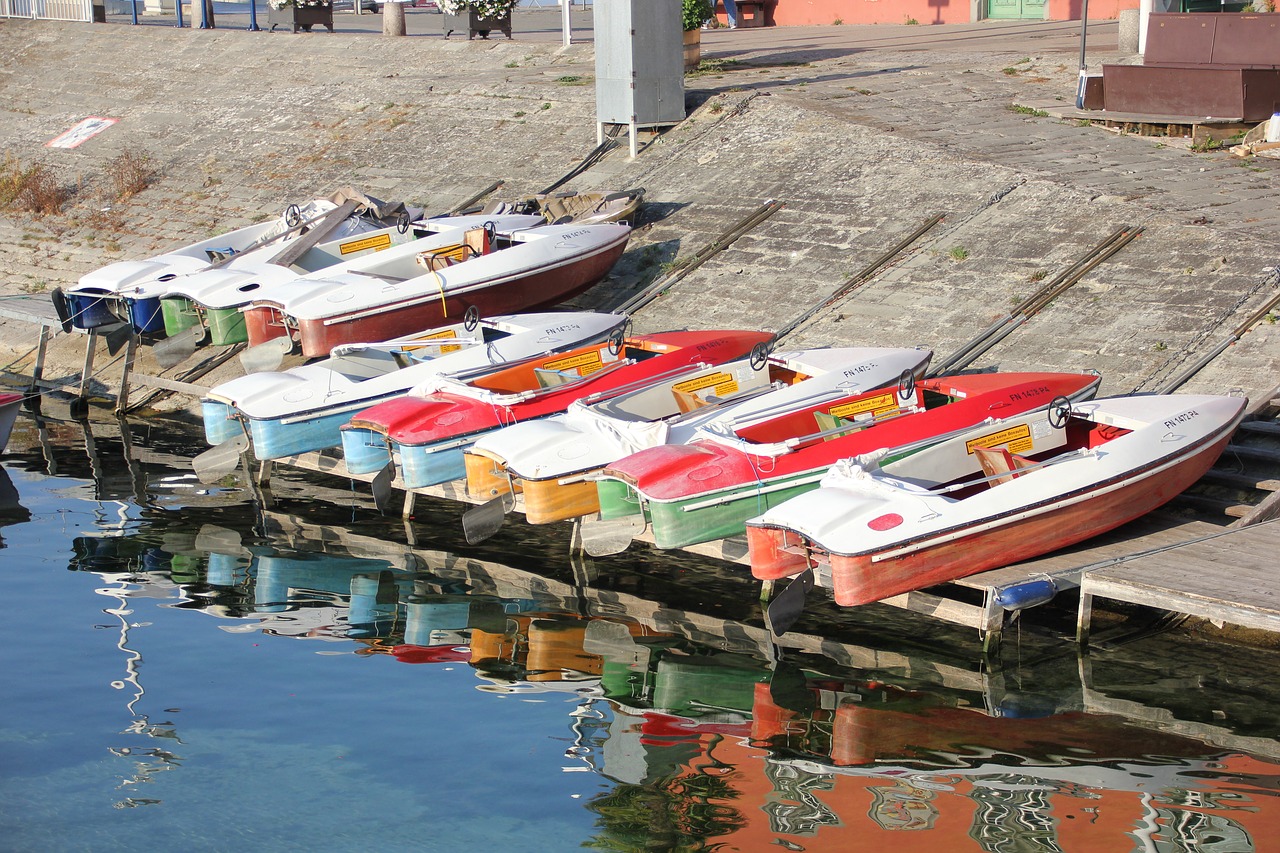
(186,670)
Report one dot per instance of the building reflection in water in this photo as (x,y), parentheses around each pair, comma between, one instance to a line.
(708,743)
(119,562)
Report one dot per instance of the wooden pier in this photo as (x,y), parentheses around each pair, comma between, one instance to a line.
(1227,576)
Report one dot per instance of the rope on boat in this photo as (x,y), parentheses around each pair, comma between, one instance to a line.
(688,265)
(1001,328)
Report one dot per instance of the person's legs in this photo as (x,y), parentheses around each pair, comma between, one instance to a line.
(731,12)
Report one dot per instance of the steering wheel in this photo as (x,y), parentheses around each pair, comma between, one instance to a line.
(616,338)
(402,222)
(292,216)
(906,385)
(1059,412)
(759,356)
(471,318)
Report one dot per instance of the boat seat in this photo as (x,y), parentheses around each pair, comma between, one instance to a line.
(828,422)
(477,240)
(1000,464)
(687,401)
(446,256)
(548,378)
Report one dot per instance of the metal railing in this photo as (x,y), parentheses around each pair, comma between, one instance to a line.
(48,10)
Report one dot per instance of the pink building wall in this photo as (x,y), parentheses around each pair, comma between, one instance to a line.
(811,13)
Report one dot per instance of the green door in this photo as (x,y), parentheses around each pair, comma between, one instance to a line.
(1007,9)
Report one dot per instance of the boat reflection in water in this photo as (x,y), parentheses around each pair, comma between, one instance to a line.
(708,742)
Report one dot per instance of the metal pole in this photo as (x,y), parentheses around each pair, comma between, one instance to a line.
(253,17)
(133,7)
(1084,28)
(566,6)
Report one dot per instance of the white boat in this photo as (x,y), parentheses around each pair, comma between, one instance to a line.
(129,291)
(214,297)
(548,459)
(987,497)
(302,409)
(506,271)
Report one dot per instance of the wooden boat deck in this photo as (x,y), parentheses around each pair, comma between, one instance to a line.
(1228,576)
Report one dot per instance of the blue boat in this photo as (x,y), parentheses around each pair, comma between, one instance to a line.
(304,408)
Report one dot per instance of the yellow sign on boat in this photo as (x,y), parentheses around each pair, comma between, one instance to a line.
(698,383)
(1017,439)
(447,333)
(376,243)
(866,404)
(586,363)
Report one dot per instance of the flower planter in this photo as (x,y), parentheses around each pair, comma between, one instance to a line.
(476,25)
(301,17)
(692,49)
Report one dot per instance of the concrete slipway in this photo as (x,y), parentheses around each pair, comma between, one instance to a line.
(863,133)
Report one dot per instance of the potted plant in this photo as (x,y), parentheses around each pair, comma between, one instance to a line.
(480,16)
(300,14)
(694,14)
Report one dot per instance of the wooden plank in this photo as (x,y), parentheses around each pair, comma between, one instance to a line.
(169,384)
(1228,578)
(32,309)
(946,609)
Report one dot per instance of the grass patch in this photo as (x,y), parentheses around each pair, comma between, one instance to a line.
(713,66)
(31,189)
(1026,111)
(573,80)
(958,253)
(130,173)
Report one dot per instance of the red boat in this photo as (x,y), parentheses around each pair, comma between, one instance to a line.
(431,427)
(1010,490)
